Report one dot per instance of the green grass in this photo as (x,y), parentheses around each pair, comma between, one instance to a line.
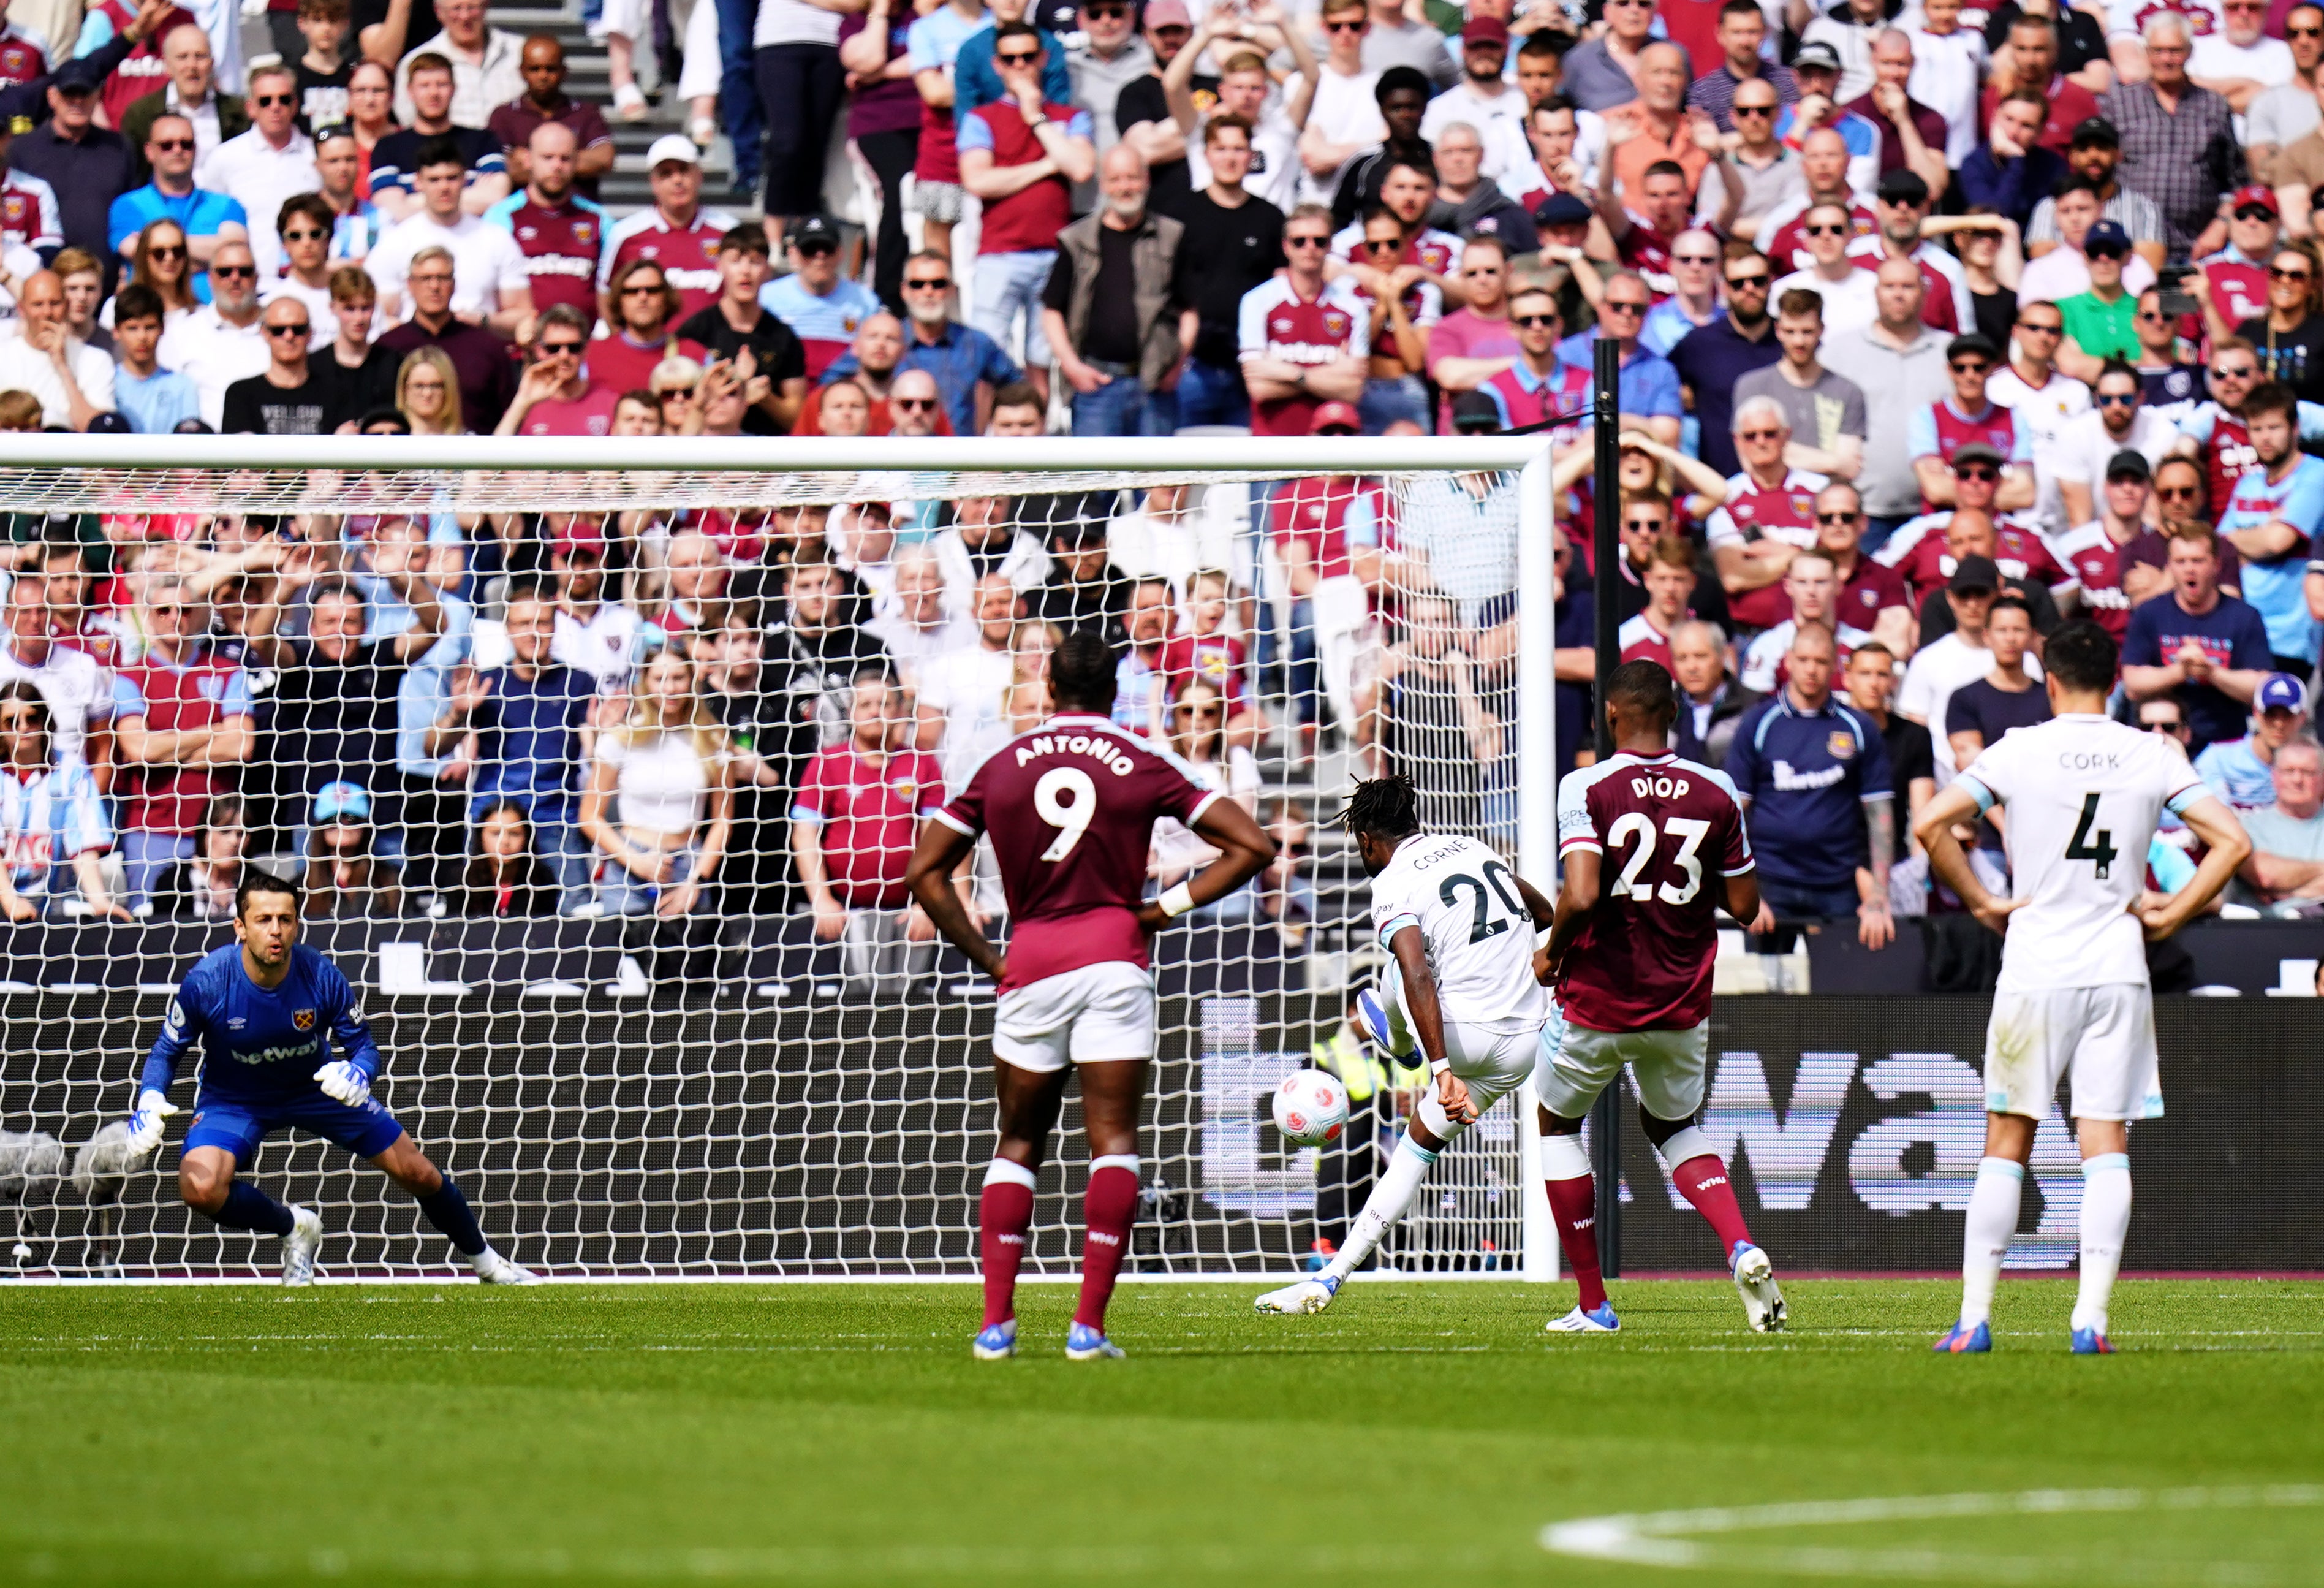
(1414,1433)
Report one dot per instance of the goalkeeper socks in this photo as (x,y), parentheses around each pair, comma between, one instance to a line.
(249,1208)
(1398,1184)
(1573,1203)
(1003,1213)
(2105,1220)
(448,1210)
(1109,1208)
(1992,1221)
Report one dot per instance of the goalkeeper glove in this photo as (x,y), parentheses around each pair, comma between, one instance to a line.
(343,1082)
(146,1125)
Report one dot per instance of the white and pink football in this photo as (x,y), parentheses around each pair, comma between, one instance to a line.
(1311,1108)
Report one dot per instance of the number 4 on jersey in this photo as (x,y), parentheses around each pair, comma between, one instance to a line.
(2079,846)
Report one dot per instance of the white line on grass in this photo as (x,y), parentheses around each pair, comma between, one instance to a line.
(1672,1538)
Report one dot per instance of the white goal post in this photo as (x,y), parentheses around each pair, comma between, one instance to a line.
(746,1089)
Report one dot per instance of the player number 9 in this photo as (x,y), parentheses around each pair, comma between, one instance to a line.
(1071,819)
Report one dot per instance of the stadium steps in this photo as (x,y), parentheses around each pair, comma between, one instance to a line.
(624,188)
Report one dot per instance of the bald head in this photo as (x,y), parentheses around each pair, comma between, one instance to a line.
(42,298)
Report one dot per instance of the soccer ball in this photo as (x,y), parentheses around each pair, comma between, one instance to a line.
(1311,1108)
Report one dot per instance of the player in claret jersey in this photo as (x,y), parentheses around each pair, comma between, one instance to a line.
(1459,926)
(2083,793)
(1632,967)
(1071,809)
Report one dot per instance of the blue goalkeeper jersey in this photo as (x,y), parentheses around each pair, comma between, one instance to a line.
(261,1046)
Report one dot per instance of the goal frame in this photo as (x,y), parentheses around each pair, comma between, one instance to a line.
(1528,457)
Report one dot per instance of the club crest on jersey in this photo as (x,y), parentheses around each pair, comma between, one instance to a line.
(1802,503)
(302,1020)
(1841,744)
(1336,322)
(212,685)
(585,233)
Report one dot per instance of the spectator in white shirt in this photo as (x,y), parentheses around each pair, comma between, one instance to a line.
(1847,290)
(983,540)
(72,379)
(1948,64)
(1343,120)
(487,69)
(1484,100)
(215,346)
(490,284)
(2237,60)
(922,626)
(271,164)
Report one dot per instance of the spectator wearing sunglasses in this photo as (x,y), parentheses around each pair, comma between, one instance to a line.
(222,342)
(2095,152)
(208,219)
(2287,114)
(555,398)
(292,395)
(302,227)
(2119,421)
(264,168)
(1938,432)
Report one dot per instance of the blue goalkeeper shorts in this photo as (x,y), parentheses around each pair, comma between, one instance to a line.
(366,1131)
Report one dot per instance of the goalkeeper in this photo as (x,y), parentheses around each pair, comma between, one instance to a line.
(264,1012)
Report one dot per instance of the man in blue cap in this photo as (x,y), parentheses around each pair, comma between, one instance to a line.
(2242,772)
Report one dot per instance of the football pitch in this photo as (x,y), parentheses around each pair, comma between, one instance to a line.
(1416,1433)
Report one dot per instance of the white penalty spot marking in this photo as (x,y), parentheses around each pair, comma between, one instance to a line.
(1684,1539)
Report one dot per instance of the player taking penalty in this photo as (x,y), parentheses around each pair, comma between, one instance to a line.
(264,1012)
(1070,807)
(1632,964)
(2083,794)
(1459,924)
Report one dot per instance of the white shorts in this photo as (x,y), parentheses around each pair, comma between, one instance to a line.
(1098,1012)
(1491,1063)
(1666,1066)
(2103,1036)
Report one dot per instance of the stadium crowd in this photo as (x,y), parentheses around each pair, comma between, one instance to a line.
(1936,327)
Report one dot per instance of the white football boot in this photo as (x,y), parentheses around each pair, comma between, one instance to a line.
(1755,1281)
(1306,1295)
(299,1246)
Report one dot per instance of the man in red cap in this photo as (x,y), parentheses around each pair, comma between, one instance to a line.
(2232,284)
(1484,99)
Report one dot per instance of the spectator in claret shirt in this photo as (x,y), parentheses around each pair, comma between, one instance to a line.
(545,103)
(645,307)
(560,233)
(483,374)
(1021,155)
(854,819)
(676,232)
(555,398)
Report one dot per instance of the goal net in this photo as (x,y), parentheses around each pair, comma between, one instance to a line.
(631,935)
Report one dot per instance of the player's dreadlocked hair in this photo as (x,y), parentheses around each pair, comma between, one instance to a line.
(1386,808)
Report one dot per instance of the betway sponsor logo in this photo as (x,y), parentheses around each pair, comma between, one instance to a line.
(1792,781)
